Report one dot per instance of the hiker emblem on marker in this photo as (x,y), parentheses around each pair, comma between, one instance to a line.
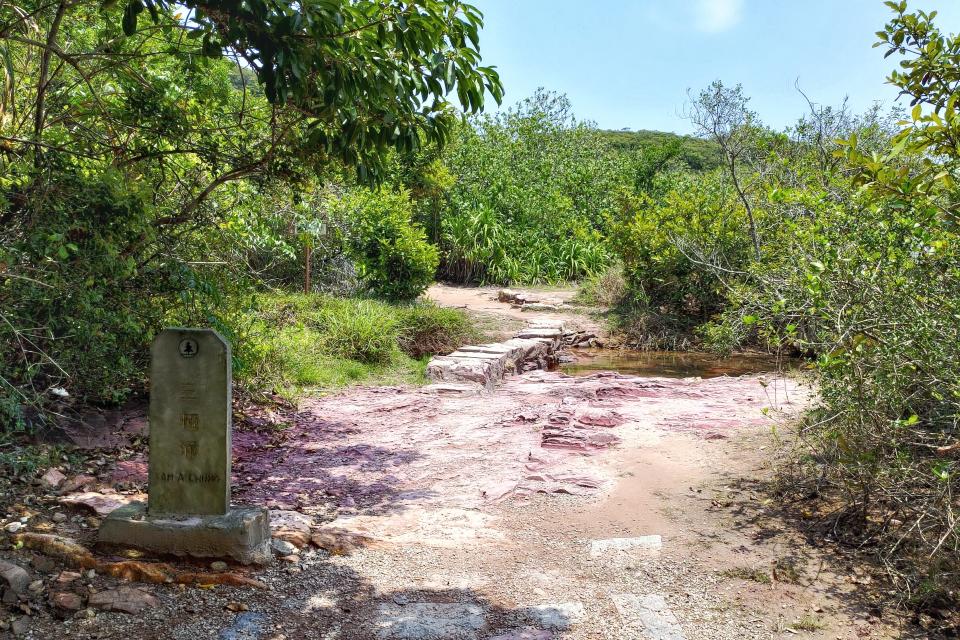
(188,348)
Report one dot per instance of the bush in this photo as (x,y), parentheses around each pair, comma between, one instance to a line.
(76,309)
(679,248)
(393,258)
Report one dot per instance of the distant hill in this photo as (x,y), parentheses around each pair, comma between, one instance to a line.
(700,155)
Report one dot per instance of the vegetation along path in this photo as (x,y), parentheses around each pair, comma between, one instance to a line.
(593,506)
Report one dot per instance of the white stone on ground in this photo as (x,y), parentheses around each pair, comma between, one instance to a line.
(429,621)
(647,543)
(557,616)
(650,614)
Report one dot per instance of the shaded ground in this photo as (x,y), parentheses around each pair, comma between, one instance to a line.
(602,506)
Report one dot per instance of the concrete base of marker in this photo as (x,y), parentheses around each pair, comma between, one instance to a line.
(242,534)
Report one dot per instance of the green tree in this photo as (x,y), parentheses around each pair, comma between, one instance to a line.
(720,113)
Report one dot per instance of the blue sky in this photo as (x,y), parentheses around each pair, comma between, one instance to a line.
(629,63)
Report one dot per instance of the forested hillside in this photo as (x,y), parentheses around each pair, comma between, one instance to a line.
(698,154)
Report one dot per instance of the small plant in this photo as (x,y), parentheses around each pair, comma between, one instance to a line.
(808,622)
(789,570)
(748,573)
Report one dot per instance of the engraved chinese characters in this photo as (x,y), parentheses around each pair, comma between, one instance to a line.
(190,393)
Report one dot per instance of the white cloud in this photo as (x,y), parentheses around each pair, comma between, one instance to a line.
(714,16)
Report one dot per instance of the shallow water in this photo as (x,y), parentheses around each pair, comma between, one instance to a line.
(670,364)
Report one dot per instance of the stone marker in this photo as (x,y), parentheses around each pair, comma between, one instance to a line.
(188,510)
(190,395)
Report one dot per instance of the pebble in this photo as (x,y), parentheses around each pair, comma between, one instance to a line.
(219,565)
(59,516)
(13,527)
(36,586)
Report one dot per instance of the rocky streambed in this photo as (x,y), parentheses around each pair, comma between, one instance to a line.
(499,503)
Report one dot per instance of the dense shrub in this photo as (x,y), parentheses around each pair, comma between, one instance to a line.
(858,268)
(77,309)
(393,258)
(679,250)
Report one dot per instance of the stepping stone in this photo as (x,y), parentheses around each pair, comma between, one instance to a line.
(545,332)
(650,614)
(429,621)
(647,543)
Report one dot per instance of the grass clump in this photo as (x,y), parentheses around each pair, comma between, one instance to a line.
(362,330)
(606,289)
(748,573)
(425,328)
(808,623)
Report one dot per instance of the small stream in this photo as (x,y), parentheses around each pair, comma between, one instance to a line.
(670,364)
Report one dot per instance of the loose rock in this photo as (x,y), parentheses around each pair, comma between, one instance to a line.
(52,478)
(291,526)
(67,600)
(283,548)
(14,577)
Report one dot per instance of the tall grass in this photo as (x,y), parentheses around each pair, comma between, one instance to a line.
(315,341)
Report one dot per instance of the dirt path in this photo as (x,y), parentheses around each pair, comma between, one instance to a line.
(595,507)
(502,319)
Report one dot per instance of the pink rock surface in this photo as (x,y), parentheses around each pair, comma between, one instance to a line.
(124,599)
(100,503)
(377,451)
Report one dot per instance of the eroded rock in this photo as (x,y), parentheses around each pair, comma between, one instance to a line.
(291,526)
